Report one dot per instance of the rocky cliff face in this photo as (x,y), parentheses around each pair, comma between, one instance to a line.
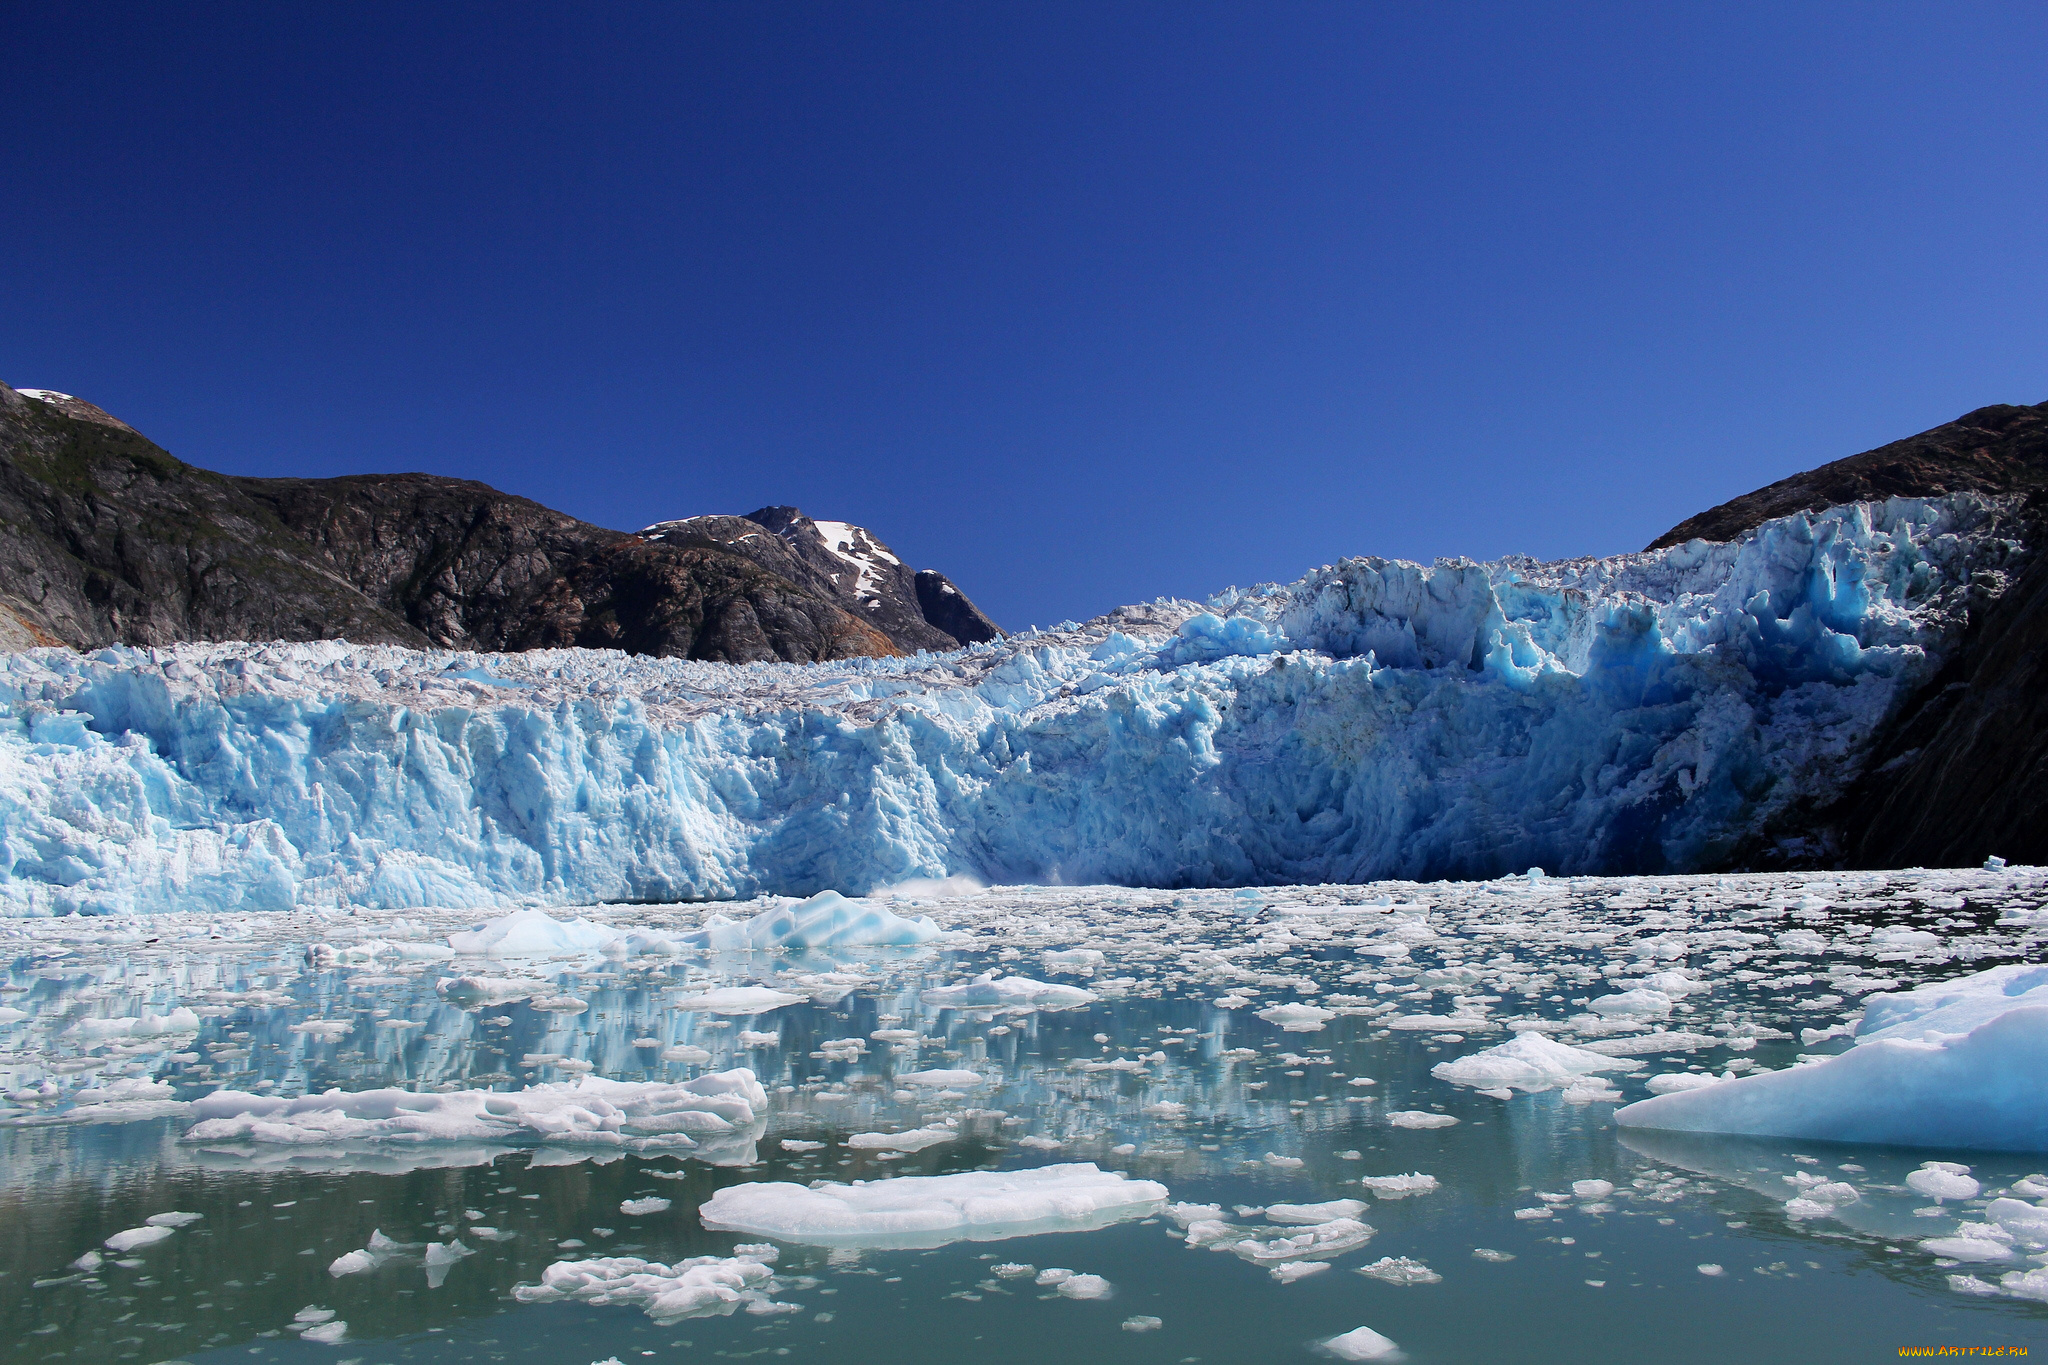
(106,538)
(845,564)
(1961,772)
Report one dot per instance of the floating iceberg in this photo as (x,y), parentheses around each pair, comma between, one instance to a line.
(1954,1064)
(702,1286)
(532,933)
(748,1000)
(1645,713)
(1530,1062)
(1009,992)
(934,1210)
(826,920)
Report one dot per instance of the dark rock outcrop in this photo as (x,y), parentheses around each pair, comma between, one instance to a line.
(106,538)
(1961,773)
(844,564)
(1999,449)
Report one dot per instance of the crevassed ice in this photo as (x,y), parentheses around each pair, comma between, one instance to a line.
(1643,713)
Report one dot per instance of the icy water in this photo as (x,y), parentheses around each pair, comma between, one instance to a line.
(1167,1074)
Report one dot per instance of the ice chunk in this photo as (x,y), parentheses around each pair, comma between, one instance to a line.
(826,920)
(637,1116)
(1418,1118)
(1909,1081)
(957,1079)
(351,1263)
(1953,1008)
(701,1286)
(1361,1343)
(173,1220)
(640,1208)
(136,1238)
(1399,1186)
(487,990)
(1287,1272)
(1400,1270)
(1083,1287)
(1298,1018)
(1943,1180)
(531,933)
(932,1211)
(1315,1213)
(1020,992)
(1333,1238)
(916,1140)
(737,1000)
(1528,1062)
(1636,1004)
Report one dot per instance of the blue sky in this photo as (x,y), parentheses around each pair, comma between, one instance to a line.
(1082,304)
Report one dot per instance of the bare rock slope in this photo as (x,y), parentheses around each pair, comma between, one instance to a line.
(106,538)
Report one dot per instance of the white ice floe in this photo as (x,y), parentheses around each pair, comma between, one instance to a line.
(1419,1118)
(1019,992)
(1952,1065)
(916,1140)
(1399,1186)
(826,920)
(638,1116)
(931,1211)
(134,1239)
(1314,1242)
(1528,1062)
(1362,1343)
(1298,1018)
(702,1286)
(746,1000)
(1400,1270)
(532,933)
(1315,1213)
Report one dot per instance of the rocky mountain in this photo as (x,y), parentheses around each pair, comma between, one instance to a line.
(106,538)
(917,608)
(1961,772)
(1999,449)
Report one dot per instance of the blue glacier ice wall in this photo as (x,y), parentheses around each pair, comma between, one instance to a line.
(1643,713)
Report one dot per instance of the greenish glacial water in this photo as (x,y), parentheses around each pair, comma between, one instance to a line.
(1165,1073)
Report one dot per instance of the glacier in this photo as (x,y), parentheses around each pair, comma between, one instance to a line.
(1646,713)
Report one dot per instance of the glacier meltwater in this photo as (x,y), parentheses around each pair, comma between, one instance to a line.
(1646,713)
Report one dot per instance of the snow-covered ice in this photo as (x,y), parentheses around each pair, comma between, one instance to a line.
(1952,1064)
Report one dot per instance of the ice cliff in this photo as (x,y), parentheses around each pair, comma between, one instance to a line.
(1645,713)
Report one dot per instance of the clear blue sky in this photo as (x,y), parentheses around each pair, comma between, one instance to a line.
(1082,303)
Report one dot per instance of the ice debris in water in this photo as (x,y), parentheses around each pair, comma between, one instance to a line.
(1361,1343)
(701,1286)
(826,920)
(1419,1118)
(640,1208)
(932,1211)
(1298,1018)
(1399,1186)
(135,1238)
(1789,647)
(531,933)
(1141,1322)
(1315,1213)
(747,1000)
(1400,1270)
(1529,1062)
(1943,1180)
(1017,992)
(1951,1064)
(639,1116)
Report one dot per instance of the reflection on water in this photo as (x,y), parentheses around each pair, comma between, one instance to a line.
(1168,1074)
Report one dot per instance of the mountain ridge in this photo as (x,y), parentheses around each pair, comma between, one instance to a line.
(107,538)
